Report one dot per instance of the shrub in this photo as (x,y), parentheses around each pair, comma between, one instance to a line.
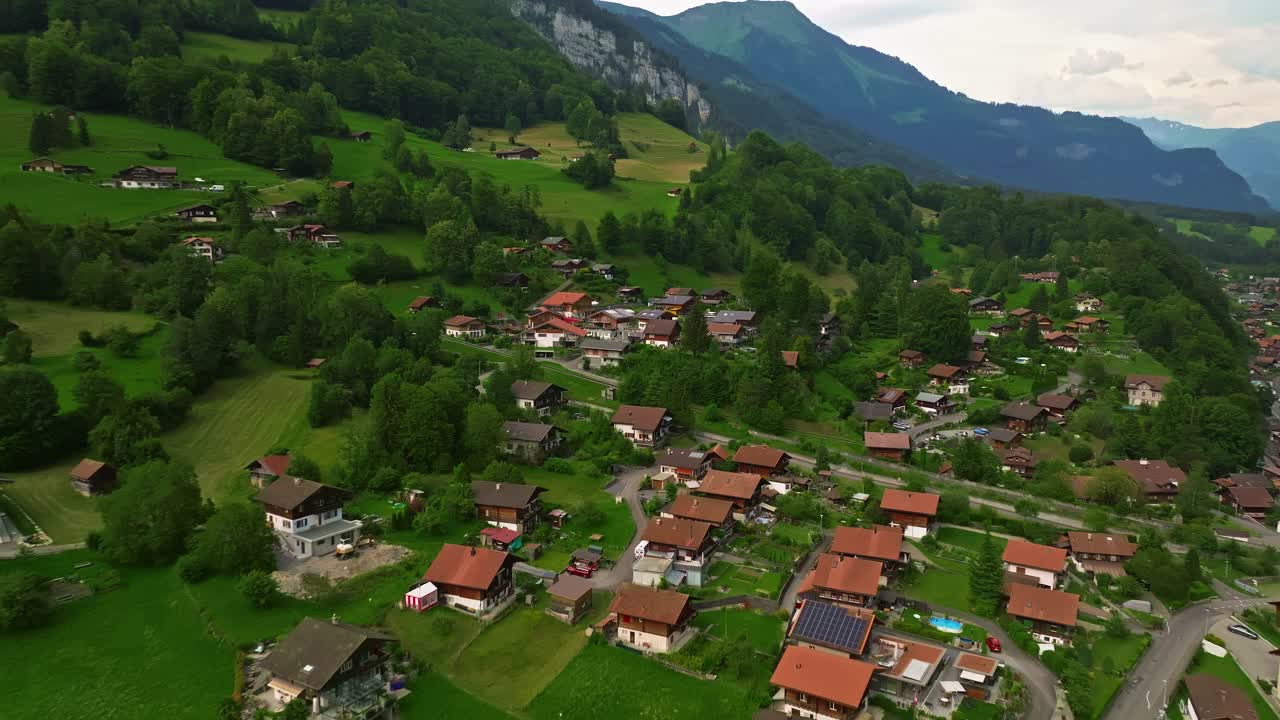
(260,588)
(559,466)
(1080,454)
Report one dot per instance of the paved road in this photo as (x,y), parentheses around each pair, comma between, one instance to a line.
(9,551)
(1169,654)
(1254,656)
(626,486)
(925,428)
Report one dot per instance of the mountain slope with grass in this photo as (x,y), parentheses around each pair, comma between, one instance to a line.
(1015,145)
(1254,152)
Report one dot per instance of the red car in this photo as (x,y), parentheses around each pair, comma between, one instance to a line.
(580,571)
(993,644)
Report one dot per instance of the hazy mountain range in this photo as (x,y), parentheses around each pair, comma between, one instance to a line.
(1253,152)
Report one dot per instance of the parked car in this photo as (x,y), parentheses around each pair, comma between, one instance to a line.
(580,571)
(902,425)
(993,643)
(1243,631)
(981,432)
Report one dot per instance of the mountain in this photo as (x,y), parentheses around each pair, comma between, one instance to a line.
(1254,152)
(726,97)
(889,99)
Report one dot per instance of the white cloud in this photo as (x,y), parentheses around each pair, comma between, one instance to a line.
(1217,82)
(1182,78)
(1098,62)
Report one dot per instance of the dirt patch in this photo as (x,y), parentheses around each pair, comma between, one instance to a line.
(291,572)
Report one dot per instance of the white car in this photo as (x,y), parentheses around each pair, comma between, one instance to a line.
(641,547)
(217,188)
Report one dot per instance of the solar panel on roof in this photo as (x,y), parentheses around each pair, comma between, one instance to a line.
(832,625)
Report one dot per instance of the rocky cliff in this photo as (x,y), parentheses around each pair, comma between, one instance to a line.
(611,51)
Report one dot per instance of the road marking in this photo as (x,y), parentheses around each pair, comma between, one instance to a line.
(1148,699)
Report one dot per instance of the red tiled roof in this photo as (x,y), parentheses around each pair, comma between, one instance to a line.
(942,370)
(640,417)
(1101,544)
(468,567)
(664,606)
(505,536)
(1032,555)
(761,455)
(678,532)
(915,503)
(846,574)
(879,541)
(564,298)
(823,675)
(790,358)
(562,326)
(459,321)
(702,509)
(1036,603)
(977,663)
(886,441)
(1157,382)
(740,486)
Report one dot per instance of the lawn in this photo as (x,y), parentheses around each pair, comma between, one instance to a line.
(46,495)
(764,632)
(116,655)
(515,658)
(1228,671)
(933,253)
(208,47)
(568,491)
(970,540)
(434,697)
(605,682)
(1262,235)
(940,588)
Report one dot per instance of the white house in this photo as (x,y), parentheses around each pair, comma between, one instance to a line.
(1030,563)
(204,247)
(307,516)
(464,326)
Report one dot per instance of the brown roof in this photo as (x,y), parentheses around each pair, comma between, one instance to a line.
(824,675)
(290,492)
(1036,603)
(1251,497)
(790,358)
(86,469)
(1022,411)
(314,651)
(469,567)
(912,651)
(640,417)
(1101,544)
(661,327)
(1157,382)
(1041,557)
(688,534)
(526,432)
(685,458)
(886,441)
(703,509)
(1153,476)
(737,485)
(942,370)
(879,541)
(916,503)
(977,663)
(505,495)
(911,355)
(846,574)
(275,464)
(460,321)
(570,587)
(530,389)
(1055,401)
(761,455)
(1215,699)
(664,606)
(724,328)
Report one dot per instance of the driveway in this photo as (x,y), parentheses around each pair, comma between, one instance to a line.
(626,485)
(1254,656)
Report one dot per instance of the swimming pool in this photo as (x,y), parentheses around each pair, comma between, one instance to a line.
(947,625)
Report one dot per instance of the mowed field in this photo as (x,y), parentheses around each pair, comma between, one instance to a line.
(208,47)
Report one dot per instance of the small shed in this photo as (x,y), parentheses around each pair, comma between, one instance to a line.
(421,598)
(501,538)
(558,518)
(570,598)
(315,363)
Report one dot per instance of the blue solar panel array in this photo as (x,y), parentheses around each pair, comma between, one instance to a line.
(831,625)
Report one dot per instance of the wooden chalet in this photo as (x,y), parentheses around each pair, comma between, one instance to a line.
(887,446)
(650,620)
(914,512)
(93,477)
(474,580)
(508,505)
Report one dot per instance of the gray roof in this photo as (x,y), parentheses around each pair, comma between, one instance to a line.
(686,458)
(929,397)
(1022,411)
(874,410)
(527,432)
(509,495)
(730,316)
(978,300)
(530,389)
(314,651)
(329,529)
(1004,435)
(595,343)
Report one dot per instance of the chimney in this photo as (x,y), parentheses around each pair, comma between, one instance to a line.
(333,618)
(297,481)
(497,486)
(473,551)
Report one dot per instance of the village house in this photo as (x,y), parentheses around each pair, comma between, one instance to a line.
(714,296)
(661,333)
(1088,324)
(893,397)
(307,516)
(1064,341)
(847,581)
(266,469)
(1002,330)
(570,597)
(602,352)
(574,305)
(611,323)
(728,335)
(746,318)
(554,332)
(93,477)
(1251,502)
(1037,564)
(556,244)
(1209,697)
(511,506)
(887,446)
(830,627)
(713,511)
(790,358)
(288,208)
(1019,461)
(464,326)
(948,376)
(335,669)
(1145,389)
(740,488)
(475,580)
(1086,303)
(567,268)
(516,280)
(904,668)
(1047,277)
(422,302)
(531,442)
(934,403)
(761,460)
(1052,613)
(643,426)
(1004,438)
(651,620)
(629,293)
(914,512)
(1057,405)
(820,685)
(978,342)
(312,233)
(198,214)
(205,248)
(1024,417)
(828,325)
(685,463)
(1100,553)
(975,360)
(542,398)
(520,153)
(986,306)
(678,304)
(1024,316)
(1258,480)
(672,550)
(1158,481)
(147,177)
(911,358)
(644,317)
(870,412)
(976,670)
(604,270)
(880,543)
(44,164)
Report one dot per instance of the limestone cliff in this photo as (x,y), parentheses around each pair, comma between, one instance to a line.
(614,54)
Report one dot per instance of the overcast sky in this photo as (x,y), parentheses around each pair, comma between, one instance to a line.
(1205,62)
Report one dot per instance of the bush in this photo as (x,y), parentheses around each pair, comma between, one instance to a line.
(260,588)
(560,466)
(1080,454)
(193,569)
(86,361)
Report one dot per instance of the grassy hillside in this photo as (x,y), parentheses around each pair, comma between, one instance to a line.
(207,47)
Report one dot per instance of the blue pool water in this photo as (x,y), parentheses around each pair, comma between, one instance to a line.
(947,625)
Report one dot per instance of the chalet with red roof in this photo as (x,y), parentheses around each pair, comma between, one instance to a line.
(761,460)
(464,326)
(474,580)
(1035,564)
(555,332)
(880,543)
(911,358)
(1052,613)
(643,426)
(887,446)
(266,469)
(93,477)
(1158,480)
(822,685)
(741,489)
(661,333)
(1100,553)
(650,620)
(847,581)
(569,304)
(914,512)
(1064,341)
(715,512)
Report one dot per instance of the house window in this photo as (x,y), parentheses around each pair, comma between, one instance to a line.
(345,666)
(803,697)
(832,706)
(301,523)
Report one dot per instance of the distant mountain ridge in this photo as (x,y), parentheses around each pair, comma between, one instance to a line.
(891,100)
(1254,152)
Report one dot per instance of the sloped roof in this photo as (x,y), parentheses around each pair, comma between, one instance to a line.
(684,458)
(508,495)
(530,389)
(274,464)
(565,298)
(679,532)
(762,455)
(1215,699)
(1101,544)
(846,574)
(1055,401)
(703,509)
(290,492)
(469,567)
(878,541)
(1037,603)
(1251,497)
(916,503)
(737,485)
(661,327)
(1033,555)
(86,468)
(1157,382)
(1022,411)
(640,417)
(314,651)
(886,441)
(664,606)
(822,674)
(526,432)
